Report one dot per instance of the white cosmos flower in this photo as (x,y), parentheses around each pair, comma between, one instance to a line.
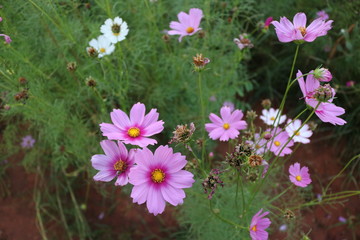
(268,116)
(302,135)
(115,30)
(258,144)
(102,45)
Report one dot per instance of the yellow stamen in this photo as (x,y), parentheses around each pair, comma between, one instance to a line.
(254,228)
(226,126)
(102,50)
(257,146)
(272,118)
(158,176)
(116,34)
(298,178)
(297,133)
(277,143)
(134,132)
(302,30)
(190,29)
(120,166)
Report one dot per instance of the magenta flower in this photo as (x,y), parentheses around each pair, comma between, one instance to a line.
(326,111)
(137,129)
(28,142)
(299,176)
(7,38)
(116,163)
(297,31)
(322,15)
(228,126)
(350,83)
(268,22)
(188,23)
(281,138)
(258,226)
(158,178)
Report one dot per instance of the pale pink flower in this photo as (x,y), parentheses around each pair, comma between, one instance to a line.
(280,140)
(326,111)
(28,142)
(159,178)
(228,126)
(322,15)
(188,23)
(258,144)
(116,163)
(134,130)
(299,176)
(297,31)
(300,134)
(258,226)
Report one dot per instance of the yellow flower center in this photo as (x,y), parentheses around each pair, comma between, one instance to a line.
(158,176)
(116,34)
(120,166)
(298,178)
(190,29)
(134,132)
(302,30)
(297,133)
(102,50)
(257,146)
(226,126)
(272,118)
(254,228)
(277,143)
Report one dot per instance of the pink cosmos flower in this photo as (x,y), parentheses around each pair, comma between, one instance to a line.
(326,111)
(258,226)
(288,32)
(137,129)
(158,178)
(258,144)
(188,23)
(116,163)
(228,126)
(322,15)
(299,176)
(7,38)
(28,142)
(275,145)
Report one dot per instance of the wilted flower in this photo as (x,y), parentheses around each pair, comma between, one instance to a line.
(134,130)
(188,23)
(6,37)
(258,225)
(102,45)
(211,183)
(116,163)
(28,142)
(326,111)
(297,31)
(269,116)
(182,133)
(239,156)
(289,214)
(90,82)
(299,176)
(300,135)
(322,15)
(23,95)
(280,143)
(243,41)
(255,160)
(228,126)
(22,80)
(158,178)
(71,66)
(200,61)
(115,30)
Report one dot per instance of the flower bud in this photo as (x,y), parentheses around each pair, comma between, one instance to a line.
(22,80)
(7,107)
(266,103)
(267,136)
(322,74)
(251,115)
(90,82)
(92,52)
(166,38)
(323,93)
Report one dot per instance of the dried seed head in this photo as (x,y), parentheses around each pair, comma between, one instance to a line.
(239,156)
(266,103)
(182,133)
(252,177)
(22,80)
(23,95)
(289,214)
(200,62)
(255,160)
(323,93)
(71,66)
(211,183)
(166,38)
(92,52)
(90,82)
(251,115)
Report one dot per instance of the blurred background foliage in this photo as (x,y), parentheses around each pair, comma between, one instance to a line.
(62,112)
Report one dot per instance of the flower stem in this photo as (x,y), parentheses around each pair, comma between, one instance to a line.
(202,106)
(224,219)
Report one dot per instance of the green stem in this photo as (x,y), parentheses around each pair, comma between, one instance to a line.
(202,106)
(279,195)
(224,219)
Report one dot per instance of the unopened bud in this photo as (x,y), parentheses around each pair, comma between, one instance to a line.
(251,115)
(322,74)
(266,103)
(267,136)
(166,38)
